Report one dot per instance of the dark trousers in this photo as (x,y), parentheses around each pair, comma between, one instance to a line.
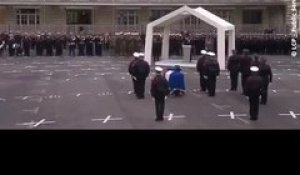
(27,51)
(140,88)
(72,51)
(203,83)
(254,107)
(211,85)
(134,86)
(81,50)
(244,78)
(264,94)
(98,49)
(58,52)
(11,52)
(160,108)
(234,80)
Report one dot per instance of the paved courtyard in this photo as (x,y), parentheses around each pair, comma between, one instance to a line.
(96,93)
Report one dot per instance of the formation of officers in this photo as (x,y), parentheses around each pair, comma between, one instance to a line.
(256,75)
(57,44)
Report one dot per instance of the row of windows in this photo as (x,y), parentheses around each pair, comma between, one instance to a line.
(130,17)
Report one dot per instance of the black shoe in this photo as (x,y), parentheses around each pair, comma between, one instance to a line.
(254,119)
(159,119)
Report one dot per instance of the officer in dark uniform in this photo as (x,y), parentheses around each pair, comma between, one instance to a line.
(211,71)
(39,45)
(81,46)
(245,64)
(159,91)
(141,72)
(253,88)
(11,45)
(131,69)
(89,46)
(266,74)
(26,45)
(58,45)
(234,66)
(98,45)
(18,44)
(200,69)
(72,45)
(156,48)
(49,45)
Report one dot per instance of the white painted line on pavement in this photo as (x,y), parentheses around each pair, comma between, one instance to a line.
(291,113)
(108,118)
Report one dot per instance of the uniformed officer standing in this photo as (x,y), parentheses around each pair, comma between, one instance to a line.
(58,45)
(72,45)
(26,45)
(11,45)
(200,69)
(49,45)
(245,64)
(234,66)
(81,46)
(98,45)
(253,88)
(131,69)
(159,91)
(211,71)
(39,45)
(266,74)
(141,72)
(89,46)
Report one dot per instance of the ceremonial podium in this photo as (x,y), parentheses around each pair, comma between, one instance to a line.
(186,52)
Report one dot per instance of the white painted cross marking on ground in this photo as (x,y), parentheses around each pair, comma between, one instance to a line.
(172,116)
(275,91)
(34,111)
(105,120)
(130,92)
(88,69)
(77,75)
(30,67)
(62,70)
(34,124)
(12,71)
(2,99)
(296,91)
(232,115)
(38,71)
(292,113)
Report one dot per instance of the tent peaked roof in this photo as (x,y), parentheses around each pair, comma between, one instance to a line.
(199,12)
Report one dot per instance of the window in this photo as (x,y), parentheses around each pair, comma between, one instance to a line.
(127,17)
(155,14)
(224,14)
(28,16)
(252,16)
(75,17)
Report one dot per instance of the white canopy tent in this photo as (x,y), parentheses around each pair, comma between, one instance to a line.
(220,24)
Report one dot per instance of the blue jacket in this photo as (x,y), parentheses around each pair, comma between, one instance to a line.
(176,80)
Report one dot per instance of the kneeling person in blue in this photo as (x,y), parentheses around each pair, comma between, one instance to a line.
(176,81)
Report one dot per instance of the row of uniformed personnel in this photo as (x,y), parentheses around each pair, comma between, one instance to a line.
(51,45)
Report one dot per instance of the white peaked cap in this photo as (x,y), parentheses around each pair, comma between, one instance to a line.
(211,54)
(254,68)
(136,54)
(158,68)
(203,52)
(141,54)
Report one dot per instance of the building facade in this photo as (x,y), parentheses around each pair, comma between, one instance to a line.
(101,16)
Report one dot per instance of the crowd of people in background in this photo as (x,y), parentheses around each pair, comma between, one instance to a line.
(125,43)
